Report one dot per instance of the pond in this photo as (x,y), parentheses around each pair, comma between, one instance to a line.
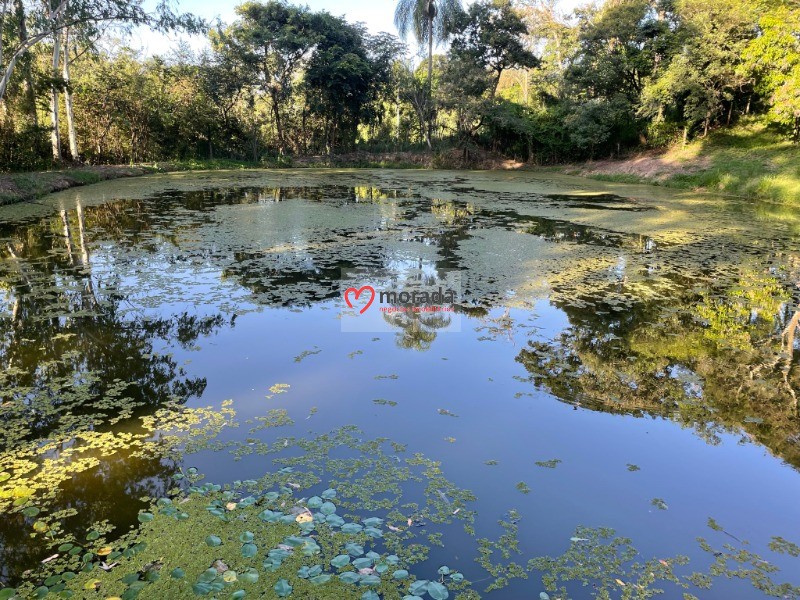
(612,388)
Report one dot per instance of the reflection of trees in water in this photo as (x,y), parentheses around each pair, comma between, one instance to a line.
(418,329)
(715,360)
(77,365)
(112,492)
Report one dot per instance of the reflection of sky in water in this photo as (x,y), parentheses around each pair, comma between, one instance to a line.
(250,259)
(499,418)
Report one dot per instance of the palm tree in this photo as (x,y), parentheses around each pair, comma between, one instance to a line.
(428,20)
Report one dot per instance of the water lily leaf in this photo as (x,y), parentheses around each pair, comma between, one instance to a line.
(271,565)
(340,561)
(279,554)
(92,536)
(315,570)
(457,577)
(352,528)
(335,521)
(7,593)
(370,580)
(246,537)
(294,541)
(373,532)
(31,512)
(354,549)
(310,548)
(400,574)
(381,568)
(269,516)
(544,596)
(320,579)
(249,576)
(315,502)
(145,517)
(208,576)
(444,570)
(213,541)
(40,527)
(372,522)
(349,577)
(178,573)
(249,550)
(393,559)
(362,563)
(229,576)
(437,591)
(329,494)
(370,595)
(282,588)
(238,595)
(328,508)
(418,588)
(201,589)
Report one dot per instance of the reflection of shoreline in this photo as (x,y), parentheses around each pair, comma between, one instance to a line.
(416,309)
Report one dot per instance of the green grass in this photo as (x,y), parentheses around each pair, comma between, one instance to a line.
(21,187)
(748,160)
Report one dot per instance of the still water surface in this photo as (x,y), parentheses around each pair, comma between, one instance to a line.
(626,356)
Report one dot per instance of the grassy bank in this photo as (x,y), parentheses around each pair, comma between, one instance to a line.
(22,187)
(749,160)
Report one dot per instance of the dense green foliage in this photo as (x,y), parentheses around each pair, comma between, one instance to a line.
(516,76)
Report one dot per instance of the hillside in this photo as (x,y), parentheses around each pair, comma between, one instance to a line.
(748,160)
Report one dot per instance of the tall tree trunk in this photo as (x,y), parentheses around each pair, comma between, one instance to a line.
(30,92)
(74,151)
(429,130)
(55,135)
(278,123)
(398,123)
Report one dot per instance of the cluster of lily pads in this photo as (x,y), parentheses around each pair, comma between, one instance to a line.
(212,541)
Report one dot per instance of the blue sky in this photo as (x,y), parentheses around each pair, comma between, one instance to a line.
(378,15)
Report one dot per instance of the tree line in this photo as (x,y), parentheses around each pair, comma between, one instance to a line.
(515,76)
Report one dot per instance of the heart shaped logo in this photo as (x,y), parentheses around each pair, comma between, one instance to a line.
(357,293)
